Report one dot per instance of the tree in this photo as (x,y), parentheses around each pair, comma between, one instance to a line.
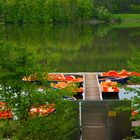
(15,63)
(134,64)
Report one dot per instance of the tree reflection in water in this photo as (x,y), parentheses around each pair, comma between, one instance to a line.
(83,48)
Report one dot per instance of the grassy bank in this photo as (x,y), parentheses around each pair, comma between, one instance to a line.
(126,25)
(128,17)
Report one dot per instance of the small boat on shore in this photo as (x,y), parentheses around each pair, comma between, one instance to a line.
(64,85)
(120,79)
(4,112)
(54,78)
(109,88)
(42,110)
(123,72)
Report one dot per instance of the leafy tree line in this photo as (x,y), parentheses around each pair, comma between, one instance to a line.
(54,11)
(50,11)
(119,6)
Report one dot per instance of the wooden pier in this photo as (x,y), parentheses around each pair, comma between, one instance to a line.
(91,87)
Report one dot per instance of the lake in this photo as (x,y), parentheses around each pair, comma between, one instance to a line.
(83,48)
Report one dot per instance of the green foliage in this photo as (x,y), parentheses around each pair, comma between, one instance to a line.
(7,129)
(128,17)
(46,11)
(59,10)
(103,14)
(115,6)
(15,63)
(135,8)
(64,11)
(137,131)
(135,60)
(119,6)
(58,125)
(122,109)
(134,64)
(85,9)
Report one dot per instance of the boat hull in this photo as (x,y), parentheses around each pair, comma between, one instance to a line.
(110,95)
(123,80)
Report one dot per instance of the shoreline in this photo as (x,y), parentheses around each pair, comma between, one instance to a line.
(90,22)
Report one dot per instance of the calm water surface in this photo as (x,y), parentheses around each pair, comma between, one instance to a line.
(83,48)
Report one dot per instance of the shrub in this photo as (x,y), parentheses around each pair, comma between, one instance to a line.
(84,9)
(103,14)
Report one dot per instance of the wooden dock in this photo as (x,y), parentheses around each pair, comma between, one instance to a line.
(90,84)
(91,87)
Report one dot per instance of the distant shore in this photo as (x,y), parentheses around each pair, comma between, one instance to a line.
(128,17)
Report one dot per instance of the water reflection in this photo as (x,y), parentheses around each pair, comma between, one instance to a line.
(84,48)
(124,94)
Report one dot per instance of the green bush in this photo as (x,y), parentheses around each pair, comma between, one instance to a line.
(84,9)
(103,14)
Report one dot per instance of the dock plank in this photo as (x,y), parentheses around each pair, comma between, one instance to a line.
(91,87)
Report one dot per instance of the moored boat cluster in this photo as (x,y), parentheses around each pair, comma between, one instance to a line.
(108,84)
(110,80)
(74,83)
